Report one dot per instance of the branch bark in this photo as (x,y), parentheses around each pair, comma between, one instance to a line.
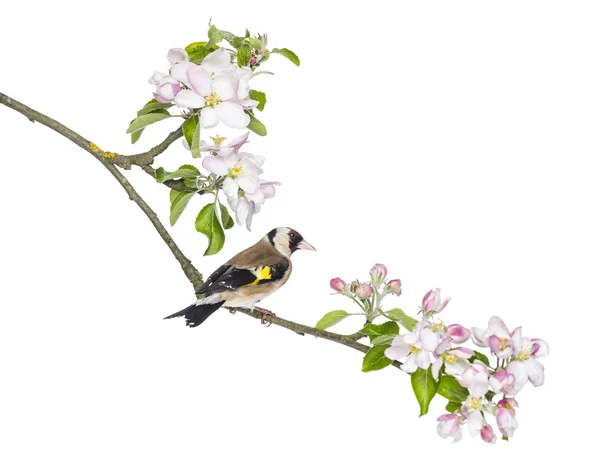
(111,160)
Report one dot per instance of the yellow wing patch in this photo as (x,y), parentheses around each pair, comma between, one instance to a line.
(261,273)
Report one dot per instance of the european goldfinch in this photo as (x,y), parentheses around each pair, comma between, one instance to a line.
(248,277)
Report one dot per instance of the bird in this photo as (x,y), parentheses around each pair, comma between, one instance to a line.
(248,277)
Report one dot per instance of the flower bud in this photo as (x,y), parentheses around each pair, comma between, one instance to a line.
(378,274)
(364,291)
(337,284)
(394,286)
(458,333)
(432,302)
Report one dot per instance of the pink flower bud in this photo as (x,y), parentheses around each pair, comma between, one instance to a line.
(458,333)
(337,284)
(364,291)
(432,301)
(395,286)
(253,59)
(487,434)
(378,273)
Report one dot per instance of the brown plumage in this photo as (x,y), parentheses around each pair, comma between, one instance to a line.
(248,277)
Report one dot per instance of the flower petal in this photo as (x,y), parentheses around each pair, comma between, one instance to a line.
(230,188)
(233,115)
(200,80)
(519,371)
(535,372)
(225,85)
(208,116)
(189,99)
(217,61)
(397,352)
(216,165)
(176,55)
(250,216)
(429,339)
(180,70)
(242,210)
(248,183)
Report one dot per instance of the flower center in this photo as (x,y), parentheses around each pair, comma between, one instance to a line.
(436,327)
(414,349)
(523,355)
(451,358)
(474,404)
(217,140)
(235,171)
(503,343)
(212,99)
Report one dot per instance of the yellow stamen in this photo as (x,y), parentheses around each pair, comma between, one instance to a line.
(235,171)
(450,357)
(212,100)
(218,140)
(414,349)
(474,404)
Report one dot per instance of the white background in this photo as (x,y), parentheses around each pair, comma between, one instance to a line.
(456,142)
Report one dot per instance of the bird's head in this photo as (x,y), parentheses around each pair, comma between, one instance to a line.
(287,240)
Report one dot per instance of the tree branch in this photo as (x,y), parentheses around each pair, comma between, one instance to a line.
(111,160)
(104,157)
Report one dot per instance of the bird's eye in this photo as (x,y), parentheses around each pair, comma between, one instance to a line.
(292,234)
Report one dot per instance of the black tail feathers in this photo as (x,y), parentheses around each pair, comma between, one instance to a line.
(197,314)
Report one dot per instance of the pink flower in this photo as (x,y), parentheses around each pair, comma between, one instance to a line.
(364,291)
(475,378)
(413,348)
(394,286)
(449,426)
(457,333)
(497,337)
(503,382)
(478,426)
(337,284)
(432,302)
(378,274)
(455,360)
(167,88)
(505,416)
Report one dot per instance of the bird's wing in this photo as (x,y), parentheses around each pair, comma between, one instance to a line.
(229,277)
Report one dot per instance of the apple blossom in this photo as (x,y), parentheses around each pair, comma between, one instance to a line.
(457,333)
(378,274)
(478,426)
(503,382)
(505,417)
(246,205)
(240,172)
(496,337)
(432,302)
(525,364)
(363,291)
(337,284)
(475,378)
(449,426)
(394,286)
(217,147)
(415,347)
(455,360)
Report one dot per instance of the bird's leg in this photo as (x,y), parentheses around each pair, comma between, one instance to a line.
(232,311)
(264,312)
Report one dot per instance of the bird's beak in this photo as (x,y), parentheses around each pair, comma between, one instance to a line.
(304,245)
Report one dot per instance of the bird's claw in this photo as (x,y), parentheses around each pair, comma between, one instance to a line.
(232,311)
(265,313)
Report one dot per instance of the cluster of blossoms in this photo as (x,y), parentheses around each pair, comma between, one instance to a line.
(369,295)
(433,343)
(246,192)
(218,91)
(217,87)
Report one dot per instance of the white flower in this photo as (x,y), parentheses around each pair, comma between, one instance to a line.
(478,426)
(246,205)
(455,360)
(475,378)
(449,426)
(218,87)
(497,337)
(167,87)
(241,171)
(218,149)
(413,348)
(524,365)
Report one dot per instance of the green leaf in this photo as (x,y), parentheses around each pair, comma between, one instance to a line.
(237,42)
(451,389)
(188,128)
(260,97)
(490,395)
(261,72)
(145,120)
(178,205)
(160,174)
(453,406)
(185,172)
(172,194)
(255,43)
(331,318)
(375,359)
(482,357)
(504,437)
(425,388)
(197,51)
(195,146)
(135,136)
(226,218)
(244,54)
(256,126)
(207,223)
(152,106)
(375,330)
(214,39)
(290,55)
(383,340)
(404,319)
